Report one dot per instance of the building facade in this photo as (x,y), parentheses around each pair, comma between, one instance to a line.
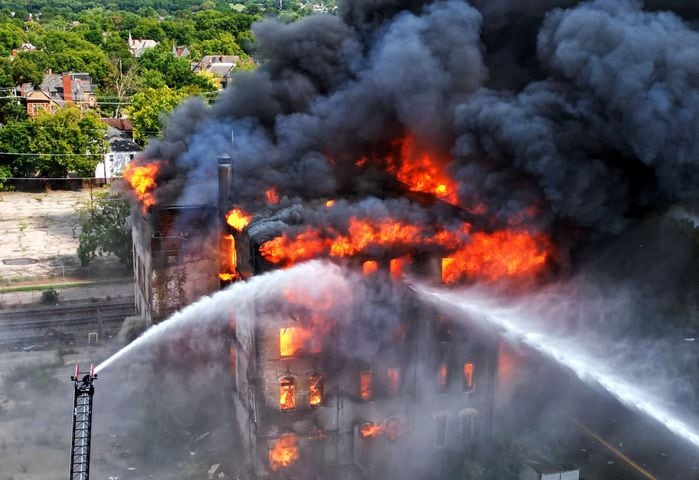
(303,409)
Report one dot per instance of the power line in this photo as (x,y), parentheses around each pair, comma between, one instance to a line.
(55,154)
(41,179)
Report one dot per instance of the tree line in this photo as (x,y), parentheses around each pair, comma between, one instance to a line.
(92,36)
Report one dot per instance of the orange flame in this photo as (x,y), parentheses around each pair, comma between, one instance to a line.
(284,452)
(366,378)
(142,181)
(397,267)
(330,203)
(370,429)
(370,267)
(229,259)
(294,339)
(238,219)
(468,376)
(504,254)
(498,255)
(315,389)
(287,394)
(361,235)
(422,172)
(272,196)
(442,375)
(392,427)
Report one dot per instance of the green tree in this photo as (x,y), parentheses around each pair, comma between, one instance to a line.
(29,67)
(15,138)
(11,110)
(149,108)
(67,51)
(177,72)
(11,36)
(69,140)
(105,229)
(223,44)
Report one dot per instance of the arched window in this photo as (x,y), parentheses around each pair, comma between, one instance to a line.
(469,383)
(287,394)
(440,429)
(393,381)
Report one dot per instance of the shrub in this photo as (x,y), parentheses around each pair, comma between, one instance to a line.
(49,297)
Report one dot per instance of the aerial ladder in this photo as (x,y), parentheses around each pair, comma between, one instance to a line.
(82,423)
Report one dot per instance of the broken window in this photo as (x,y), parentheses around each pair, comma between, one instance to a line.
(370,266)
(315,389)
(288,341)
(447,270)
(468,377)
(397,267)
(393,377)
(284,451)
(370,430)
(443,376)
(287,394)
(394,427)
(366,379)
(443,330)
(440,438)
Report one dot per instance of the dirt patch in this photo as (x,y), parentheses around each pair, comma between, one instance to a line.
(44,228)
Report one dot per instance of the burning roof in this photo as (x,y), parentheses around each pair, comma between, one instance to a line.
(352,116)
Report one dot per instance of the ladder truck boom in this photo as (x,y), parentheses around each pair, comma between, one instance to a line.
(84,389)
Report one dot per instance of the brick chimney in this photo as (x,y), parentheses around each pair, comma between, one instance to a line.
(67,88)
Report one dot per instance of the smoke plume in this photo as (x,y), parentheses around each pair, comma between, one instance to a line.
(586,125)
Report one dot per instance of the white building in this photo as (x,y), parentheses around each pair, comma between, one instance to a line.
(122,149)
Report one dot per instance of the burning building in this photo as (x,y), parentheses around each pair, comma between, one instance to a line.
(302,403)
(381,139)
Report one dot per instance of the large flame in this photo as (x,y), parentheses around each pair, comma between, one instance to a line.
(284,452)
(504,254)
(361,235)
(287,394)
(293,340)
(498,255)
(142,181)
(422,172)
(229,260)
(238,219)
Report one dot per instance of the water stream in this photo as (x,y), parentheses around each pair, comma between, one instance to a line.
(569,353)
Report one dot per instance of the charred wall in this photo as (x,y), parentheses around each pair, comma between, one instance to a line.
(172,264)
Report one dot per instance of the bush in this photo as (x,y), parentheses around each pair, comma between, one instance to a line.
(49,297)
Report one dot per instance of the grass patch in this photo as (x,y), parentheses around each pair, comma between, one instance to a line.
(46,286)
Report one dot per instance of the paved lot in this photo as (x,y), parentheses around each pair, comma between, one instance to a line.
(39,238)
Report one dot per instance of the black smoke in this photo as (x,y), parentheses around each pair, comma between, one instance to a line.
(576,118)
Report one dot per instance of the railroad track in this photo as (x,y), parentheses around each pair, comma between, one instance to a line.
(43,327)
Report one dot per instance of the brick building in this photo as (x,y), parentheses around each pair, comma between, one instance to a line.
(305,412)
